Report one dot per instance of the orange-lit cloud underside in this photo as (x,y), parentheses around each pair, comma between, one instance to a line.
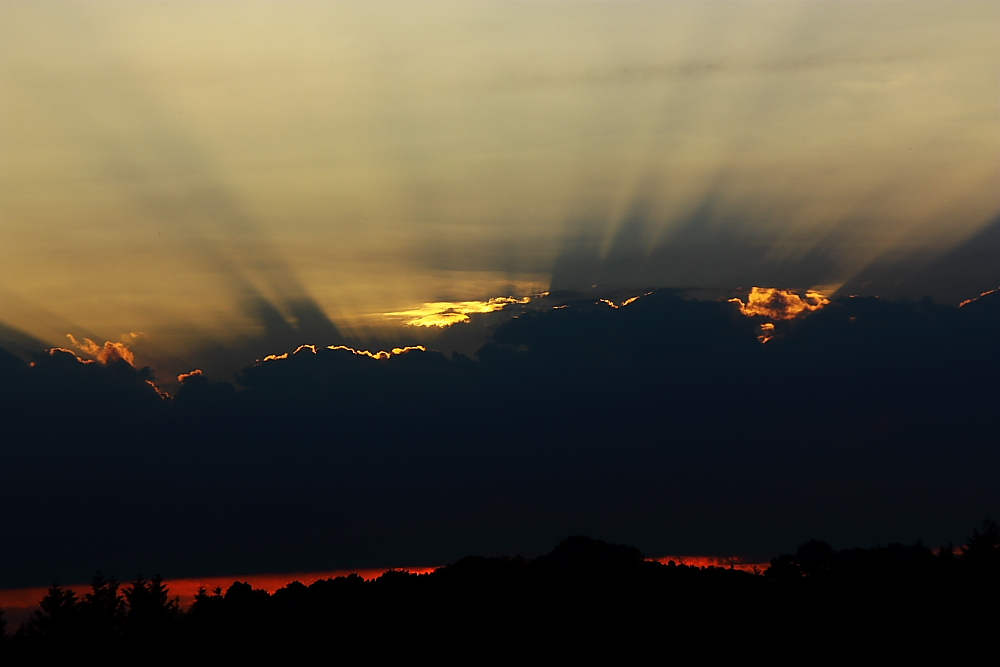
(185,376)
(778,304)
(609,302)
(381,354)
(968,301)
(109,352)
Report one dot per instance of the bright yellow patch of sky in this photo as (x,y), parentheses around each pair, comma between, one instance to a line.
(446,313)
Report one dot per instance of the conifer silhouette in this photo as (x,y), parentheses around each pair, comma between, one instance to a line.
(983,548)
(151,612)
(57,621)
(102,610)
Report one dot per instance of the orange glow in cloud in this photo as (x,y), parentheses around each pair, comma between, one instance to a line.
(446,313)
(108,353)
(381,354)
(185,376)
(162,394)
(634,298)
(56,350)
(778,304)
(968,301)
(624,303)
(87,346)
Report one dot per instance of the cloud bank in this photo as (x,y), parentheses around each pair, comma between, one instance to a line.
(663,422)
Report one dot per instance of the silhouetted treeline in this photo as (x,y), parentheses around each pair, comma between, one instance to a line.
(584,594)
(664,422)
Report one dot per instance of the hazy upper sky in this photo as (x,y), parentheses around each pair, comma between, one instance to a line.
(165,164)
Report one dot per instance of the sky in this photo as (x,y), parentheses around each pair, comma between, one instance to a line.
(174,169)
(453,206)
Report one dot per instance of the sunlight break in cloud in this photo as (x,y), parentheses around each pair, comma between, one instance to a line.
(778,304)
(624,303)
(446,313)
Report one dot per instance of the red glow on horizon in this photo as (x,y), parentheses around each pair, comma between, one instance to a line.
(19,603)
(27,599)
(726,562)
(187,588)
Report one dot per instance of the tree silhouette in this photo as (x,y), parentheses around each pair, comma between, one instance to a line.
(102,610)
(983,548)
(151,612)
(814,559)
(57,622)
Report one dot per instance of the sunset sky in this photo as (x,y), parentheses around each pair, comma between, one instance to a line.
(209,186)
(166,165)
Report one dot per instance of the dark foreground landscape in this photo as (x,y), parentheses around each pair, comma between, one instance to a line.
(585,594)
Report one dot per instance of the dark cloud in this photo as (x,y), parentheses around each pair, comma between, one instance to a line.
(19,342)
(714,245)
(663,423)
(950,277)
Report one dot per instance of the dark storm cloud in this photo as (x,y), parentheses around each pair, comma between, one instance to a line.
(663,422)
